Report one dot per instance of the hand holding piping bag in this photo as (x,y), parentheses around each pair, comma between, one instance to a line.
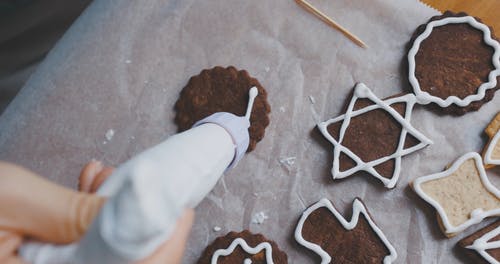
(147,214)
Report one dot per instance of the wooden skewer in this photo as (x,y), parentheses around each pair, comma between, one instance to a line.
(304,4)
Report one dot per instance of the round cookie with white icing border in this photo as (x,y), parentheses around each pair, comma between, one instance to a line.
(223,90)
(243,247)
(454,63)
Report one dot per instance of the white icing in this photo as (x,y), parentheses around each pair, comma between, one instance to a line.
(109,134)
(287,161)
(481,244)
(488,155)
(357,209)
(478,214)
(361,91)
(259,218)
(425,97)
(250,250)
(252,94)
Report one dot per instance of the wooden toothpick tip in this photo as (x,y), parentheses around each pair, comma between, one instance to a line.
(307,6)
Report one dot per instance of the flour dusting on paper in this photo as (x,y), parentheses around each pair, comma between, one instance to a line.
(259,218)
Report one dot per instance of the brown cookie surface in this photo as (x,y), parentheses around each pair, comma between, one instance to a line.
(341,240)
(223,90)
(469,240)
(454,60)
(239,255)
(372,136)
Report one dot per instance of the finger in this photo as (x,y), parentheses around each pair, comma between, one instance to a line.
(88,174)
(33,206)
(100,178)
(9,243)
(171,252)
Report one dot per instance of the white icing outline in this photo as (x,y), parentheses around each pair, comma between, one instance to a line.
(362,91)
(477,215)
(251,98)
(250,250)
(481,244)
(424,97)
(357,209)
(488,155)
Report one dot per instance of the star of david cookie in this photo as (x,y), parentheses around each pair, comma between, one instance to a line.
(462,195)
(454,63)
(243,248)
(372,136)
(491,153)
(483,246)
(326,232)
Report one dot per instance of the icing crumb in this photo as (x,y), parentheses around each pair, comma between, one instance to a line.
(288,161)
(217,228)
(267,69)
(282,109)
(259,218)
(128,61)
(311,98)
(109,134)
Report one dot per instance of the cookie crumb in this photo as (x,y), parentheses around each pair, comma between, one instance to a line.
(259,218)
(217,228)
(109,134)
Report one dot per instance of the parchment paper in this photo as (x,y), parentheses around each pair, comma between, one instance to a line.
(123,63)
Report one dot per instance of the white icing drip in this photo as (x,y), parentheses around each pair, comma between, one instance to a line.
(252,94)
(250,250)
(109,134)
(361,91)
(488,155)
(476,215)
(481,244)
(259,218)
(357,209)
(425,97)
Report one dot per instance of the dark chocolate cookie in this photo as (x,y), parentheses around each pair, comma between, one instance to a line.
(477,253)
(377,134)
(336,239)
(223,90)
(239,248)
(453,60)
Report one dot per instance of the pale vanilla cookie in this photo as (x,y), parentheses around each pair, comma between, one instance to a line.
(462,195)
(491,153)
